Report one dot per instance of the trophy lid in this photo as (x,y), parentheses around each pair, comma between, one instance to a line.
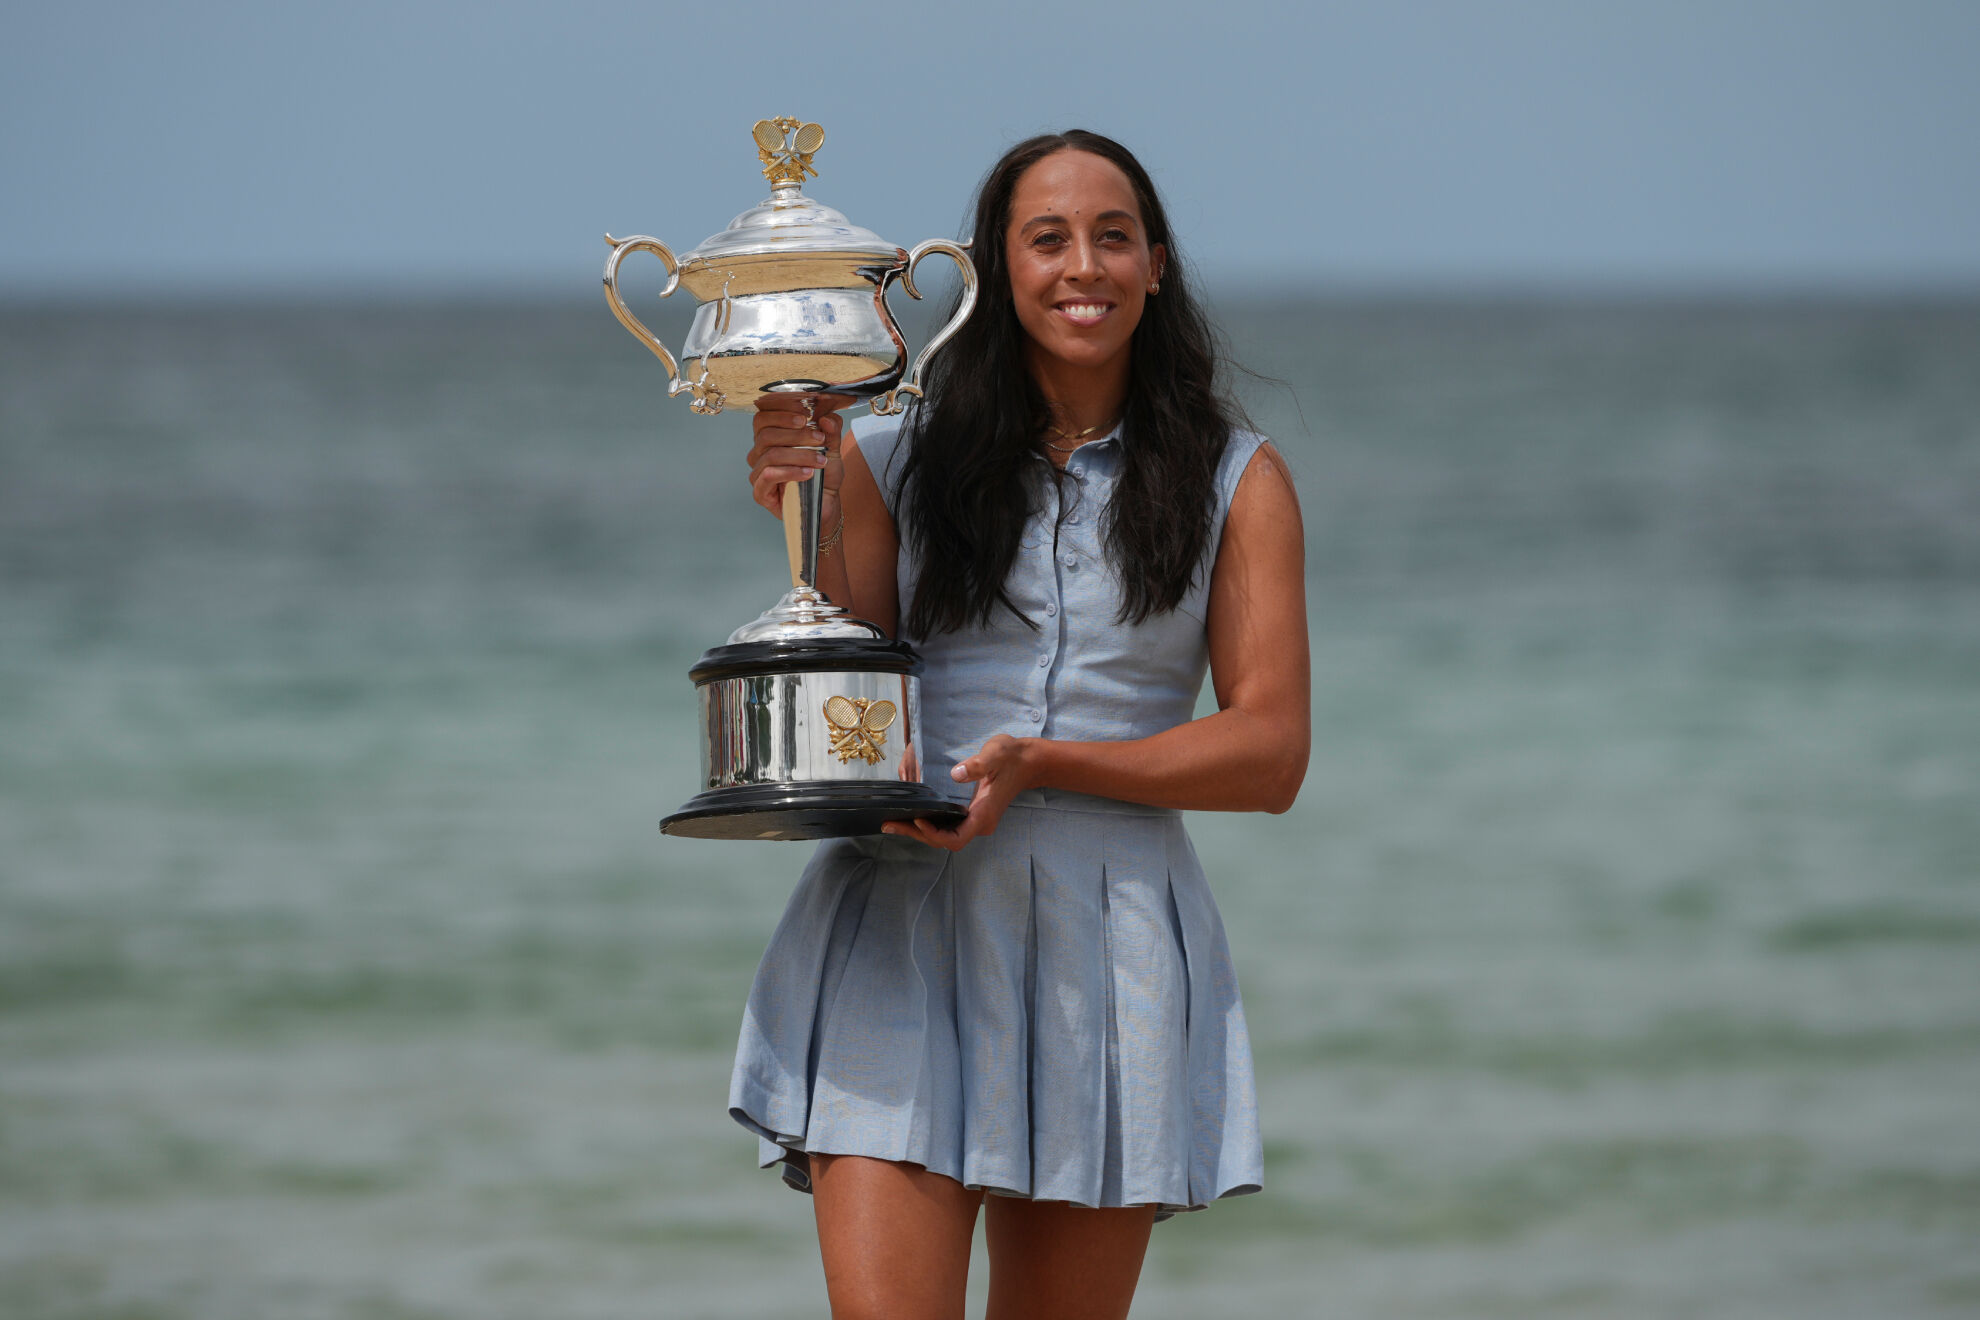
(787,221)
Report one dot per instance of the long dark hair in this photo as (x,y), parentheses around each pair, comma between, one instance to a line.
(973,474)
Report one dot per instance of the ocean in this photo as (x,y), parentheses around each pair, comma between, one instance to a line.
(1620,959)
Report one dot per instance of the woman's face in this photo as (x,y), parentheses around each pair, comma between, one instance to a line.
(1080,261)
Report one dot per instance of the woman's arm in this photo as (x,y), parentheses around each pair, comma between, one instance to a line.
(869,552)
(1249,756)
(858,573)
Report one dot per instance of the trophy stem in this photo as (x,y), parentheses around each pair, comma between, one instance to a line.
(804,503)
(804,613)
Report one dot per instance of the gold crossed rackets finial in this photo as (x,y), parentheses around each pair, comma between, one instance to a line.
(859,727)
(785,147)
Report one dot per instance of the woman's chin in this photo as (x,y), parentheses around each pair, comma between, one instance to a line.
(1079,353)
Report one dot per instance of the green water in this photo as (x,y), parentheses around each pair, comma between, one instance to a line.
(1621,958)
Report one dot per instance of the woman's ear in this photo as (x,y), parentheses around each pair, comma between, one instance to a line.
(1158,260)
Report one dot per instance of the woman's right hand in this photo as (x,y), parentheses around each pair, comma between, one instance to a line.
(786,439)
(1004,768)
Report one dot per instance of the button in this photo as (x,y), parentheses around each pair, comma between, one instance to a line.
(1044,660)
(1033,715)
(1073,519)
(1050,609)
(1072,561)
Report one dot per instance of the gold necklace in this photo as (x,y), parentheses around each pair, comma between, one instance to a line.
(1077,439)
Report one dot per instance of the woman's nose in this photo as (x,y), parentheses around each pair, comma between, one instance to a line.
(1085,263)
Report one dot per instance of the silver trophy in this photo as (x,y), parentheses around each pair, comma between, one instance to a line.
(808,713)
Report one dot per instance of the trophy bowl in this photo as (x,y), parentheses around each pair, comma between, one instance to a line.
(808,715)
(793,296)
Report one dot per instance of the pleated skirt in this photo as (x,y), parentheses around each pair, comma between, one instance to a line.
(1049,1013)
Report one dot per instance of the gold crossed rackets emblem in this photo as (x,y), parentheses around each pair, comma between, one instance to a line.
(785,146)
(859,727)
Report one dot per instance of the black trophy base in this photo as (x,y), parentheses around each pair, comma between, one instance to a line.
(814,809)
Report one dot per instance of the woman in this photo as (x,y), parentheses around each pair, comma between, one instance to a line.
(1038,1003)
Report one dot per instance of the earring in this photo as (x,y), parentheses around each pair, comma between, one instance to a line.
(1155,286)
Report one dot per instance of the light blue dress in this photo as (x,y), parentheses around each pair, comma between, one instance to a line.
(1052,1011)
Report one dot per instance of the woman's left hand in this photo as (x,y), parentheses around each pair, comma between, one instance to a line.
(1002,769)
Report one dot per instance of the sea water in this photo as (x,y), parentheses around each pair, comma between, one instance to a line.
(1620,959)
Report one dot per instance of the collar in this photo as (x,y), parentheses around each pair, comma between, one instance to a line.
(1111,442)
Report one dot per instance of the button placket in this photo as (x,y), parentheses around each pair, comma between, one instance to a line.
(1053,640)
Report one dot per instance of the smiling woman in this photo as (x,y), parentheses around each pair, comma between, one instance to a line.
(1034,1013)
(1081,324)
(1081,266)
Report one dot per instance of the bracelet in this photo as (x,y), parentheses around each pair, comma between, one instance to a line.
(831,543)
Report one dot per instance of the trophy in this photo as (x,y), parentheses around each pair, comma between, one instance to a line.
(808,715)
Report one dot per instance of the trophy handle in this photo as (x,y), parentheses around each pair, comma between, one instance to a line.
(621,249)
(891,402)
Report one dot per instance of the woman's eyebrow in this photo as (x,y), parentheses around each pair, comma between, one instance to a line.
(1128,216)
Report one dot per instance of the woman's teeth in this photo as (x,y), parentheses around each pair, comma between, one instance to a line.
(1084,311)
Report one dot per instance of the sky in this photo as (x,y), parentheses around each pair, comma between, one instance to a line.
(481,149)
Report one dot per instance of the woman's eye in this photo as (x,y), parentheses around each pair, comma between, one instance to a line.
(1047,239)
(1114,236)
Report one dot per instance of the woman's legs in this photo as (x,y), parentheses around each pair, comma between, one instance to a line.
(1053,1261)
(895,1238)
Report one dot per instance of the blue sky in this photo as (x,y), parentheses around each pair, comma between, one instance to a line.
(1410,145)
